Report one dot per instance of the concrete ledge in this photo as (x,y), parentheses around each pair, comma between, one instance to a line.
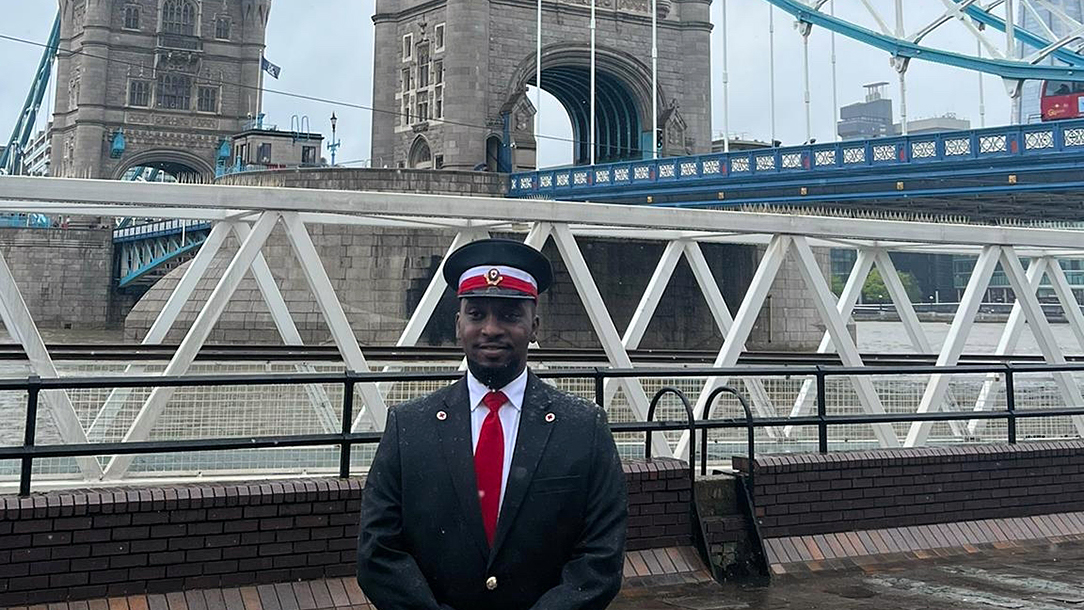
(865,548)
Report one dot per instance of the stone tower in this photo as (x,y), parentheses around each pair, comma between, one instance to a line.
(155,83)
(455,72)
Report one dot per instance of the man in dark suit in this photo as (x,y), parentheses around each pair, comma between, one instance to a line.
(498,491)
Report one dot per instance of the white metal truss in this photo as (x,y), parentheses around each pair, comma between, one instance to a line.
(682,230)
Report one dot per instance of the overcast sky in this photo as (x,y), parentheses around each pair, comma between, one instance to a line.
(325,50)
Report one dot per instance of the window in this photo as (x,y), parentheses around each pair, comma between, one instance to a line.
(222,28)
(438,34)
(207,100)
(408,80)
(423,65)
(139,93)
(179,17)
(174,91)
(423,107)
(405,114)
(438,162)
(308,155)
(408,47)
(131,17)
(263,153)
(438,72)
(438,102)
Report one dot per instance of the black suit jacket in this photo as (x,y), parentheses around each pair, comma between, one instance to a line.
(560,536)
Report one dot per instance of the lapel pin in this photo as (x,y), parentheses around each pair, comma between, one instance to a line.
(550,417)
(441,415)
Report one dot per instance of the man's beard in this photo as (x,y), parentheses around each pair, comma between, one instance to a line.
(494,377)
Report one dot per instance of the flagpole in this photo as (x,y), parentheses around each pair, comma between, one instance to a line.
(591,135)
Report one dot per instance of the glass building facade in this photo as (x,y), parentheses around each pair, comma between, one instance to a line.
(1034,22)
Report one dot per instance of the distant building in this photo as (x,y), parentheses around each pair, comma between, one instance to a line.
(869,119)
(270,148)
(36,158)
(1031,92)
(717,145)
(948,122)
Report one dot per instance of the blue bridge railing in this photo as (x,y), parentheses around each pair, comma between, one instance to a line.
(1031,141)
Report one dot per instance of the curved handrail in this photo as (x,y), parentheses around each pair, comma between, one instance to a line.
(749,428)
(692,424)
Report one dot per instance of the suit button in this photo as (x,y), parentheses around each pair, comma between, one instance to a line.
(491,583)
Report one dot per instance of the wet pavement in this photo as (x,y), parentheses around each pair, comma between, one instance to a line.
(1045,576)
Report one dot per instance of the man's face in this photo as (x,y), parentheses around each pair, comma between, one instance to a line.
(495,333)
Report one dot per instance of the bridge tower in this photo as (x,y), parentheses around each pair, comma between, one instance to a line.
(456,72)
(154,83)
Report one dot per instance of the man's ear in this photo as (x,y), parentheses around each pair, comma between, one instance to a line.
(535,324)
(457,337)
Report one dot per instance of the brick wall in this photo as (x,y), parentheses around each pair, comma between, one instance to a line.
(805,494)
(111,542)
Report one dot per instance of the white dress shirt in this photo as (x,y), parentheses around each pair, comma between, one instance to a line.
(509,415)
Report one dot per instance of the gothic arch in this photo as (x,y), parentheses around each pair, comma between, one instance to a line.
(623,97)
(170,160)
(421,155)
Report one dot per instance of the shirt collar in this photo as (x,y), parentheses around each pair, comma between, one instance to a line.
(514,390)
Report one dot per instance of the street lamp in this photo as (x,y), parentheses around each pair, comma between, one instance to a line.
(333,145)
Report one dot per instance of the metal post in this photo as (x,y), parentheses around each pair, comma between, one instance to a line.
(726,103)
(538,87)
(822,412)
(347,425)
(29,432)
(591,135)
(835,82)
(771,70)
(982,96)
(806,29)
(655,79)
(600,389)
(1010,403)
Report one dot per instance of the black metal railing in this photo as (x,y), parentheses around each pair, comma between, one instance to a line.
(345,438)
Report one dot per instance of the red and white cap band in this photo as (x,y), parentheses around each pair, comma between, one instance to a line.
(497,276)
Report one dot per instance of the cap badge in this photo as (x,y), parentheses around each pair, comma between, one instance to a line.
(493,277)
(441,415)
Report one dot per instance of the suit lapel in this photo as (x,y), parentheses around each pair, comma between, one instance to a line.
(534,433)
(455,440)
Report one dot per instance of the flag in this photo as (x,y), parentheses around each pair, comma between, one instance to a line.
(269,67)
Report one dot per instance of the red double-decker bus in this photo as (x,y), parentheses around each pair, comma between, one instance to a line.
(1062,100)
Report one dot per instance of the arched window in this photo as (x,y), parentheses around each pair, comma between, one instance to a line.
(179,17)
(131,17)
(174,91)
(421,157)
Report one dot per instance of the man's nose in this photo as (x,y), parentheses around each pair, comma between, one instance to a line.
(491,326)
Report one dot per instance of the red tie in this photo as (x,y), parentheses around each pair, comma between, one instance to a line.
(489,462)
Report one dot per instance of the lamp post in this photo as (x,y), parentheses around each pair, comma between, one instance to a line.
(333,145)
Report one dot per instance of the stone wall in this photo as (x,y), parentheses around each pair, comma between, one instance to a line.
(444,182)
(65,545)
(64,274)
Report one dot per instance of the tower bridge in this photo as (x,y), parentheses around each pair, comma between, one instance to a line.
(337,265)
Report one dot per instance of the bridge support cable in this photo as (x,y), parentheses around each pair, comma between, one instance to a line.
(335,317)
(908,47)
(195,338)
(20,325)
(604,327)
